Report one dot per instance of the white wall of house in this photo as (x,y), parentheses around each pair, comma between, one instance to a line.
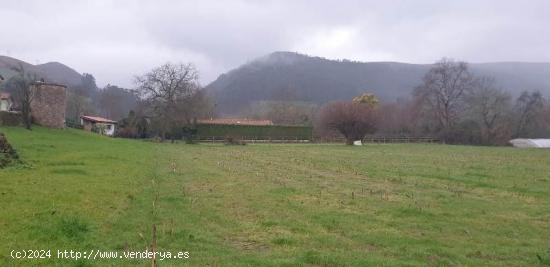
(4,105)
(110,129)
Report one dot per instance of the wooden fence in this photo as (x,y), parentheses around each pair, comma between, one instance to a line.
(73,124)
(254,139)
(293,139)
(400,139)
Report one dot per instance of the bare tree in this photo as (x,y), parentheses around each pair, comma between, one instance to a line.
(401,117)
(282,112)
(77,105)
(528,109)
(443,91)
(115,102)
(352,119)
(172,92)
(490,108)
(23,94)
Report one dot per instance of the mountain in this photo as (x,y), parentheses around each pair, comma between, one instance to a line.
(52,72)
(296,77)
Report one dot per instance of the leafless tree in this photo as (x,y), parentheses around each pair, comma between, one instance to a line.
(401,117)
(173,94)
(443,91)
(115,102)
(528,110)
(352,120)
(282,112)
(77,105)
(490,108)
(23,94)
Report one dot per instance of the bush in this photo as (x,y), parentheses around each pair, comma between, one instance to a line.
(351,119)
(127,132)
(187,133)
(7,152)
(233,140)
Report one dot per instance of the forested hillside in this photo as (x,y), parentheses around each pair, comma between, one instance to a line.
(297,77)
(54,72)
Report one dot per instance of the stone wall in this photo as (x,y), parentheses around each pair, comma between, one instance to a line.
(48,104)
(10,118)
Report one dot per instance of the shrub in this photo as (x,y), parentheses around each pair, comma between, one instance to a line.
(352,119)
(7,152)
(233,140)
(187,133)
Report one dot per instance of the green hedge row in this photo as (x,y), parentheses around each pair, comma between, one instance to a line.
(255,132)
(10,118)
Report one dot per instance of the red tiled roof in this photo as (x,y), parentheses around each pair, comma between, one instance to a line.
(97,119)
(228,121)
(5,95)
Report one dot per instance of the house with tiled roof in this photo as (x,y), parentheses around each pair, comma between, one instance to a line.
(98,124)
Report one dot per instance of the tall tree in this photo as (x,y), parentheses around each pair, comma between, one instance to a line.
(490,108)
(443,92)
(528,108)
(77,105)
(23,94)
(115,102)
(283,112)
(173,94)
(400,118)
(87,86)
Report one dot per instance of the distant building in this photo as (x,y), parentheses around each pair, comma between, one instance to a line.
(5,98)
(6,101)
(236,121)
(102,125)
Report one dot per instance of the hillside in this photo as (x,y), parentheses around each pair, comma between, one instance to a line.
(52,72)
(292,76)
(274,205)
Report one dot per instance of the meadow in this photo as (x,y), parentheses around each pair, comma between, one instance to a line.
(274,204)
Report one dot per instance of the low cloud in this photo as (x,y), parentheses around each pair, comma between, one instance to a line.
(115,40)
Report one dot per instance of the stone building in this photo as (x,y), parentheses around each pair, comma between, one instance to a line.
(48,104)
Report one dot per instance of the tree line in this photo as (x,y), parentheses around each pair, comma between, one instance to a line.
(450,103)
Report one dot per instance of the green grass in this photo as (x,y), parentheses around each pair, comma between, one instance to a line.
(275,205)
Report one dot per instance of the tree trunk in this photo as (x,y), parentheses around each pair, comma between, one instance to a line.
(27,120)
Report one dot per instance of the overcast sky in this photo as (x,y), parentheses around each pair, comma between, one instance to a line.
(115,40)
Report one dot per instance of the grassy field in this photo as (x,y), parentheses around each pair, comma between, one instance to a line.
(275,205)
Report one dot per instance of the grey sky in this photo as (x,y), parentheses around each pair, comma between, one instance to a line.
(115,40)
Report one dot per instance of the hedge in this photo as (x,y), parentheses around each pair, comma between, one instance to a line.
(10,118)
(255,132)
